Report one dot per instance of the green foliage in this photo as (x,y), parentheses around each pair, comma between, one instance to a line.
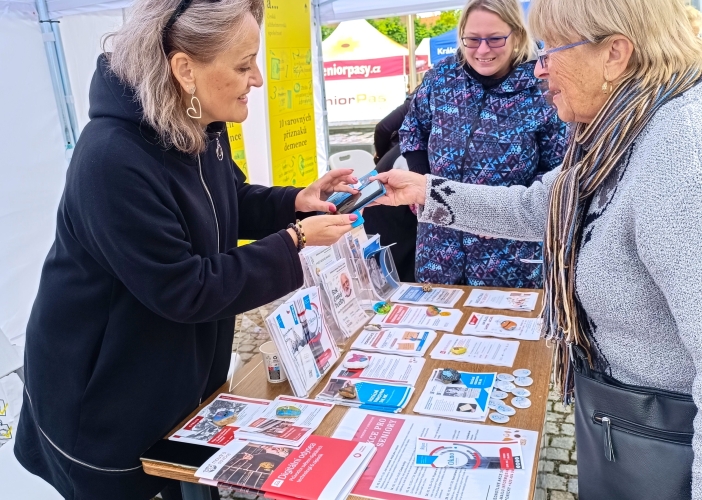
(396,27)
(326,31)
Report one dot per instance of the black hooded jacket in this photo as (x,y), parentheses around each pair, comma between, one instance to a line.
(134,319)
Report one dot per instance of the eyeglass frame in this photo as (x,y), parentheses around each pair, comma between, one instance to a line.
(542,54)
(486,40)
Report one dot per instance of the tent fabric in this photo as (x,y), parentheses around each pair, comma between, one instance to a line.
(442,46)
(354,40)
(335,11)
(60,8)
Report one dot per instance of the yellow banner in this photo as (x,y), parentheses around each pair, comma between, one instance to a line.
(290,96)
(236,144)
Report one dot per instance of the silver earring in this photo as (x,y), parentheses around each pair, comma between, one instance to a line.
(195,109)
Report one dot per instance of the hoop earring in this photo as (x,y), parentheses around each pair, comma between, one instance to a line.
(195,109)
(607,86)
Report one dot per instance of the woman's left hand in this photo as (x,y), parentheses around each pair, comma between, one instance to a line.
(313,197)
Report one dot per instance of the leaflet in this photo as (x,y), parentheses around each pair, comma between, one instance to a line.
(217,422)
(482,351)
(369,395)
(317,258)
(475,455)
(347,310)
(287,420)
(415,294)
(392,475)
(400,341)
(420,317)
(503,326)
(380,266)
(382,368)
(496,299)
(464,400)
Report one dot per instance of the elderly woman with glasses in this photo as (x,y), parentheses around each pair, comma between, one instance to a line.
(481,117)
(623,232)
(133,322)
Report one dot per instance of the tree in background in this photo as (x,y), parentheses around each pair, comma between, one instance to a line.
(395,28)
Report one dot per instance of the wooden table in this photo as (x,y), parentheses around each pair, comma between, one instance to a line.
(250,381)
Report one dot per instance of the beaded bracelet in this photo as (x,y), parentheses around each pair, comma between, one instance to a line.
(301,239)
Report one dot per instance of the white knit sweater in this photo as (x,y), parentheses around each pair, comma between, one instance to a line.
(639,269)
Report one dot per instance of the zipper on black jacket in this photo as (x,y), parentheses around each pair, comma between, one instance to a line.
(209,196)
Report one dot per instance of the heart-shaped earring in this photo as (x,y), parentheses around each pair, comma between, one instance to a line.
(195,109)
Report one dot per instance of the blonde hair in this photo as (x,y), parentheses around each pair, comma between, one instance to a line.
(138,59)
(510,11)
(658,29)
(695,18)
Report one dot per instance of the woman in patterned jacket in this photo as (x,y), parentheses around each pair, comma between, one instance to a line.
(481,117)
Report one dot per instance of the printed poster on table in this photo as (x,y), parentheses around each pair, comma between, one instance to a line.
(503,326)
(382,368)
(481,351)
(497,299)
(420,317)
(392,475)
(288,53)
(402,341)
(436,296)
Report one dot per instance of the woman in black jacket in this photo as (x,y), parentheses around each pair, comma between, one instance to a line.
(133,323)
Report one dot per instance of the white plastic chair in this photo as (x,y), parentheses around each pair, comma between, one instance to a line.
(357,159)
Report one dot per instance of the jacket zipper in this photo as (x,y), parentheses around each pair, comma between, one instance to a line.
(608,422)
(209,196)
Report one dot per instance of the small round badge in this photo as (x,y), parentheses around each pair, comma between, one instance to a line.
(523,381)
(508,325)
(521,402)
(505,376)
(426,288)
(498,394)
(449,375)
(356,361)
(382,307)
(494,403)
(433,311)
(348,392)
(506,410)
(522,372)
(288,412)
(505,386)
(498,418)
(521,392)
(458,350)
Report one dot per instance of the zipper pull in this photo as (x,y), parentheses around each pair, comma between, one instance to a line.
(220,151)
(607,432)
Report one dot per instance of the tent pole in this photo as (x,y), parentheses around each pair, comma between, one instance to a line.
(59,75)
(412,46)
(320,61)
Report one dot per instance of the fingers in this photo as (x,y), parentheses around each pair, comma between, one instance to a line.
(381,177)
(341,175)
(342,220)
(383,200)
(344,188)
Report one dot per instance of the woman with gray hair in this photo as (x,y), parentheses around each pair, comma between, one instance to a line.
(133,323)
(621,220)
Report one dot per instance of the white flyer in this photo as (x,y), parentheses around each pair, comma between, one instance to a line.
(381,368)
(216,424)
(415,294)
(392,474)
(317,258)
(466,399)
(339,287)
(287,420)
(402,341)
(507,327)
(481,351)
(497,299)
(475,455)
(431,317)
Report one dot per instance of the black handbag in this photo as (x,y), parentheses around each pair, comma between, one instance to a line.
(633,443)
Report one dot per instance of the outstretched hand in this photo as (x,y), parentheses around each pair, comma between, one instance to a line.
(314,197)
(402,188)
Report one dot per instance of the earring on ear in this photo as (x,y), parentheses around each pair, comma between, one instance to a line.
(195,109)
(607,86)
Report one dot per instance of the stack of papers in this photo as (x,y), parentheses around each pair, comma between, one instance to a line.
(496,299)
(382,368)
(429,317)
(507,327)
(315,259)
(481,351)
(402,341)
(388,398)
(466,399)
(306,347)
(217,422)
(322,468)
(336,280)
(415,294)
(393,475)
(288,421)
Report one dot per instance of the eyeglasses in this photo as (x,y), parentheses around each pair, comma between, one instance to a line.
(543,54)
(494,42)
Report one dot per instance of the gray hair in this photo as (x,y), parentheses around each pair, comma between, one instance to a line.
(138,59)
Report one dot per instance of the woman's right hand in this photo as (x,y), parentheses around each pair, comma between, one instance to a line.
(324,230)
(402,188)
